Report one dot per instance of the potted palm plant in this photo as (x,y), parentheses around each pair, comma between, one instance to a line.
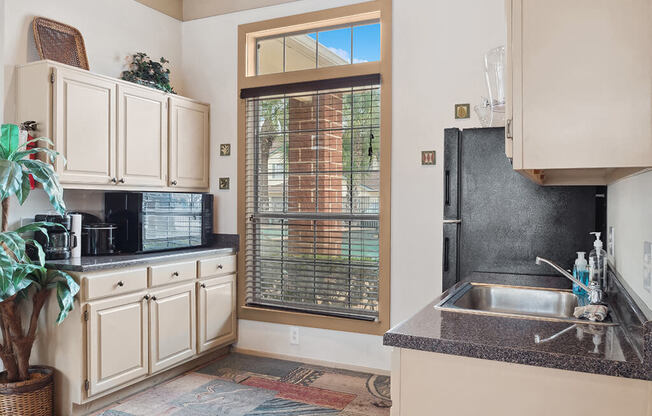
(26,389)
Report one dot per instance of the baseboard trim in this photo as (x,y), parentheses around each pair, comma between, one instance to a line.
(310,361)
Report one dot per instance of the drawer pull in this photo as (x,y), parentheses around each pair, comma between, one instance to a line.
(219,266)
(146,297)
(121,283)
(153,297)
(203,285)
(175,274)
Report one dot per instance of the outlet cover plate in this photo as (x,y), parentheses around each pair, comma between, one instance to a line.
(294,335)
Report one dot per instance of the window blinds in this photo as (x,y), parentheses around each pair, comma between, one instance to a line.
(312,199)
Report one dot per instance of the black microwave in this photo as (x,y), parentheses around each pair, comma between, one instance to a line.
(157,221)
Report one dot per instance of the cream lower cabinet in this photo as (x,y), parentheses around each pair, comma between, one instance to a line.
(579,82)
(216,311)
(172,326)
(117,341)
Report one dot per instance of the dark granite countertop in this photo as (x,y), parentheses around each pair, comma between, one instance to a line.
(222,246)
(598,349)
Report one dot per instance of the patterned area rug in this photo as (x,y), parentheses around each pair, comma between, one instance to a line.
(244,385)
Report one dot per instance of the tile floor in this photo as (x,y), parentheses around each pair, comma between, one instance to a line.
(244,385)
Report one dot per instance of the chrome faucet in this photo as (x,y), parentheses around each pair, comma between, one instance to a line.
(595,294)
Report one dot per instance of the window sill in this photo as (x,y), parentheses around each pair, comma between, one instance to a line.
(312,320)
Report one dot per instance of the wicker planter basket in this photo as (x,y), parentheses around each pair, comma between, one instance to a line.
(33,397)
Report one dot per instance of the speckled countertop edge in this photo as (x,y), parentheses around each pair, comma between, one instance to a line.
(118,261)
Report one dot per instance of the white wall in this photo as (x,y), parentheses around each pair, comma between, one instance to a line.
(629,211)
(437,47)
(112,30)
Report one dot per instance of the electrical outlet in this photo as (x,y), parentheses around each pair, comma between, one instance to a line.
(611,242)
(647,266)
(294,335)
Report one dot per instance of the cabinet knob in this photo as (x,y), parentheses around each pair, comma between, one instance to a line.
(219,266)
(175,274)
(146,297)
(153,297)
(121,283)
(122,180)
(203,285)
(174,183)
(114,180)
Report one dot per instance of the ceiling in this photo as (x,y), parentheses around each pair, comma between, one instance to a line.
(196,9)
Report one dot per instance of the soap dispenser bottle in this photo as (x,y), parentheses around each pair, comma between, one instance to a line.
(581,273)
(599,257)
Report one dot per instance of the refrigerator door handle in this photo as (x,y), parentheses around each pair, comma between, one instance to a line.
(446,253)
(452,221)
(447,187)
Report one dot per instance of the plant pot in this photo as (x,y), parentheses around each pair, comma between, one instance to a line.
(34,397)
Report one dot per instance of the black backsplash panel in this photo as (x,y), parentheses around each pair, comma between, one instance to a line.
(507,220)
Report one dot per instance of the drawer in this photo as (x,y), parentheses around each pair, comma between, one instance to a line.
(215,266)
(117,282)
(172,272)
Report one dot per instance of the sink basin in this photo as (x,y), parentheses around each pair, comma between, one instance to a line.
(514,301)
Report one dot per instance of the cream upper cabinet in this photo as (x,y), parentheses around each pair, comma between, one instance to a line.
(172,326)
(115,134)
(84,127)
(117,341)
(189,143)
(216,312)
(142,136)
(579,88)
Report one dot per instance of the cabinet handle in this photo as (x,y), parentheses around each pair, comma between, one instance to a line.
(219,266)
(146,297)
(121,283)
(203,285)
(153,297)
(173,183)
(122,180)
(175,274)
(114,180)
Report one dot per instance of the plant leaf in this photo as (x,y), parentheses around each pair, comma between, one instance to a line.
(39,139)
(24,190)
(9,139)
(67,288)
(14,243)
(51,154)
(11,176)
(45,174)
(39,251)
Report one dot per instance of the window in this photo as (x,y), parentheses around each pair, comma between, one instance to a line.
(314,133)
(313,188)
(351,44)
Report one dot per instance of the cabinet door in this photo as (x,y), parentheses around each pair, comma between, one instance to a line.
(189,144)
(117,341)
(84,127)
(142,137)
(172,326)
(581,83)
(216,303)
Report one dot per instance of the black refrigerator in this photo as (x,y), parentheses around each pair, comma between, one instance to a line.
(498,221)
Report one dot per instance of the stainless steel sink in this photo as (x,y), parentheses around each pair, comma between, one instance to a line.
(514,301)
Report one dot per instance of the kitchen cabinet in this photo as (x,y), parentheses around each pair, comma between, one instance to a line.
(84,118)
(143,137)
(189,143)
(113,133)
(579,82)
(131,324)
(216,312)
(172,326)
(117,341)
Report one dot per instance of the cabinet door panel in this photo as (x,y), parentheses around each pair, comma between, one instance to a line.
(582,81)
(189,144)
(142,137)
(117,341)
(172,326)
(85,127)
(217,323)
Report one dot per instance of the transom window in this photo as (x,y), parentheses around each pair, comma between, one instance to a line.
(341,45)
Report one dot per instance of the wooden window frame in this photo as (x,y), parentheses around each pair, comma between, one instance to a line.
(247,35)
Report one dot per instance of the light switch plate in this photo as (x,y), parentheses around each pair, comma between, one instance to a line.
(428,157)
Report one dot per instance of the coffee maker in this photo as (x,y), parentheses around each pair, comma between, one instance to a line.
(59,242)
